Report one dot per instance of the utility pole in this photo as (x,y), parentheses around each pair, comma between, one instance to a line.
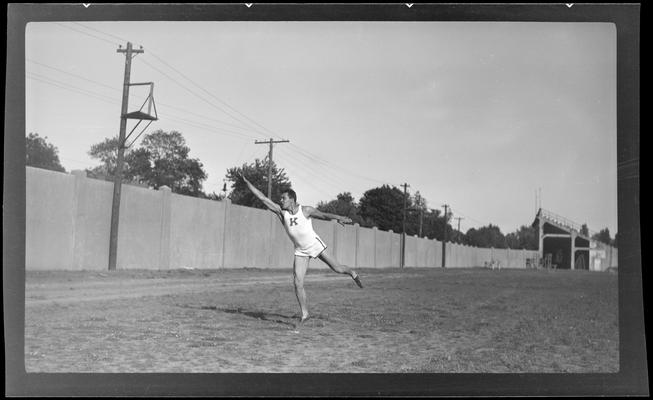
(459,218)
(403,230)
(444,241)
(270,142)
(117,183)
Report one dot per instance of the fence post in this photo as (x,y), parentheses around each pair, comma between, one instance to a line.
(335,239)
(164,255)
(392,246)
(227,205)
(375,230)
(358,227)
(270,239)
(79,220)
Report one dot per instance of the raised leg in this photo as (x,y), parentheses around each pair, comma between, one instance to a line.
(339,268)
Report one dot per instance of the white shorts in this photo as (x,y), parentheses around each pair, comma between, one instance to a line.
(313,250)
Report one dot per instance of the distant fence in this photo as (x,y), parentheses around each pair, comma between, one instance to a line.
(68,225)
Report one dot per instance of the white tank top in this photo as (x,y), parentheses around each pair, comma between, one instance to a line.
(299,228)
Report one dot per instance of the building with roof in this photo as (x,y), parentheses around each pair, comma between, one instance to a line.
(563,244)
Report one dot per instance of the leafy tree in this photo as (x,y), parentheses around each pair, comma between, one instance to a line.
(162,159)
(344,205)
(615,241)
(384,207)
(584,230)
(136,161)
(107,152)
(257,173)
(486,236)
(434,225)
(603,236)
(417,215)
(512,240)
(526,237)
(41,154)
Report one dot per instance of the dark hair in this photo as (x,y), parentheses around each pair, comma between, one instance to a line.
(291,194)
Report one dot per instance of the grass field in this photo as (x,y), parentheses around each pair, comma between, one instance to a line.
(410,320)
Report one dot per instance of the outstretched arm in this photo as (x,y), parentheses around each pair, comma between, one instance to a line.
(315,213)
(274,207)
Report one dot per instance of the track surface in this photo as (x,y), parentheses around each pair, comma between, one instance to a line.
(411,320)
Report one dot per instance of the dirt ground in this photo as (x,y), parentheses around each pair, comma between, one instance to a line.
(410,320)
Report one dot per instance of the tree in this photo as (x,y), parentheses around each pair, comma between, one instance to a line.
(603,236)
(344,205)
(486,236)
(434,223)
(417,214)
(526,237)
(383,206)
(162,159)
(584,230)
(107,152)
(257,173)
(41,154)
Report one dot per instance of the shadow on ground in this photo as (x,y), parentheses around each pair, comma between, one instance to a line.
(262,315)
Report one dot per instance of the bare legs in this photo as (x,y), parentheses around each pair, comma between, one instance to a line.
(300,266)
(339,268)
(336,266)
(299,272)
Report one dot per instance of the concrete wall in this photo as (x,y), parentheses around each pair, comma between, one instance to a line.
(602,257)
(344,248)
(49,229)
(143,240)
(196,232)
(68,224)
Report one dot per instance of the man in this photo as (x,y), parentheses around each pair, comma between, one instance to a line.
(296,219)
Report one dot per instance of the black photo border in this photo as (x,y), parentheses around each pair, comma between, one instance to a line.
(632,378)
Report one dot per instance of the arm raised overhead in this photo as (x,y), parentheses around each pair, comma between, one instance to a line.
(271,205)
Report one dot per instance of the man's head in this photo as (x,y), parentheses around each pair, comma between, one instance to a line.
(288,199)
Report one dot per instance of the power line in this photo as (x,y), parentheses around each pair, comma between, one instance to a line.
(102,97)
(457,211)
(332,181)
(311,172)
(118,90)
(74,75)
(184,76)
(192,92)
(327,163)
(87,34)
(305,152)
(317,161)
(102,32)
(212,95)
(76,87)
(250,119)
(69,87)
(207,127)
(327,178)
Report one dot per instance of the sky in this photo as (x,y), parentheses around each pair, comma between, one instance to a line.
(482,116)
